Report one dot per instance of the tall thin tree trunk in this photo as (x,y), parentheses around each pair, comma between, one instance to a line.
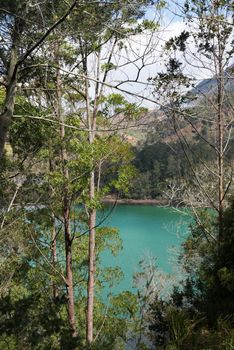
(9,103)
(66,212)
(220,159)
(54,256)
(220,122)
(92,232)
(54,242)
(92,263)
(69,272)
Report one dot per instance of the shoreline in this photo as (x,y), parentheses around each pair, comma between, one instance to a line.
(156,202)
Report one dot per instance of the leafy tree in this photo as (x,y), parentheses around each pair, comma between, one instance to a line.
(210,29)
(65,156)
(200,313)
(20,41)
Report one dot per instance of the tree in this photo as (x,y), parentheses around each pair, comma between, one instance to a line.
(78,156)
(13,24)
(209,42)
(98,116)
(199,312)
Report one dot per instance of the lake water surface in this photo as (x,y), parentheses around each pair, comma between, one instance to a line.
(146,231)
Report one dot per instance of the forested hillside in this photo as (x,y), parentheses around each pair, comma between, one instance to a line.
(162,165)
(76,82)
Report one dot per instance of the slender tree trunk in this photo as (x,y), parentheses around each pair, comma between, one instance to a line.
(66,212)
(7,114)
(93,187)
(54,256)
(54,243)
(69,272)
(220,122)
(92,223)
(8,107)
(92,267)
(220,160)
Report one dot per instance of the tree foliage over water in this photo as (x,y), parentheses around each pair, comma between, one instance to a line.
(63,148)
(200,312)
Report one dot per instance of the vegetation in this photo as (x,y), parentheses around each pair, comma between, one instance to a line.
(63,148)
(200,312)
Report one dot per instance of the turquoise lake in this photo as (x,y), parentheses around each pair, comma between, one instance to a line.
(146,231)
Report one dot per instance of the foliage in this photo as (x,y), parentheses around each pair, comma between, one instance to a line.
(61,137)
(200,313)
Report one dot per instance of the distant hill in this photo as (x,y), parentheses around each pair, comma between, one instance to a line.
(136,132)
(209,86)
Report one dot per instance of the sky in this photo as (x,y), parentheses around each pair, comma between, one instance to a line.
(150,46)
(171,25)
(143,57)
